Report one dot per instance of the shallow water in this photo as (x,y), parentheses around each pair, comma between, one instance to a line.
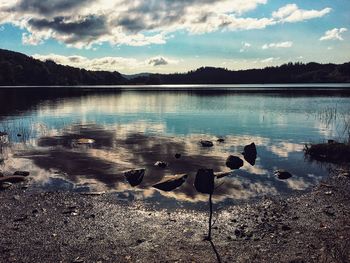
(134,129)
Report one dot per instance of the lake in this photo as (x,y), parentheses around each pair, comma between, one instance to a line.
(132,127)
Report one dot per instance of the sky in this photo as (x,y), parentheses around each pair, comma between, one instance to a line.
(165,36)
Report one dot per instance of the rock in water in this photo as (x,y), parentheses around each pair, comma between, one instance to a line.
(282,174)
(220,175)
(234,162)
(206,143)
(250,153)
(135,177)
(204,182)
(221,140)
(170,183)
(161,164)
(22,173)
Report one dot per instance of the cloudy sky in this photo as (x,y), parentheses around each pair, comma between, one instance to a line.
(133,36)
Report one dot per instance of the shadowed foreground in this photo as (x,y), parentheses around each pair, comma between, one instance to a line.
(68,227)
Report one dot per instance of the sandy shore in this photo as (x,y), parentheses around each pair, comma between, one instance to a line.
(67,227)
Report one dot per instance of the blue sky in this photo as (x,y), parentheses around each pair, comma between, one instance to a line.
(176,36)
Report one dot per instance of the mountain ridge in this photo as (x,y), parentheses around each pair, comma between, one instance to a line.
(17,69)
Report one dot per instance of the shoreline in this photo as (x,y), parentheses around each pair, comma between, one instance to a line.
(70,227)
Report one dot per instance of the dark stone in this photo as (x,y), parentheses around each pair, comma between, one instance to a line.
(220,175)
(22,173)
(234,162)
(12,179)
(286,228)
(331,141)
(1,174)
(19,135)
(204,182)
(178,156)
(161,164)
(206,143)
(3,134)
(221,140)
(135,177)
(170,183)
(250,153)
(282,174)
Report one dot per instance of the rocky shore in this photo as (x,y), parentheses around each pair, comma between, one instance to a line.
(72,227)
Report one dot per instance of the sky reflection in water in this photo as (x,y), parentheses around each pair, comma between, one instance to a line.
(136,129)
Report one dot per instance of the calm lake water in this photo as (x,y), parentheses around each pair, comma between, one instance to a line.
(133,128)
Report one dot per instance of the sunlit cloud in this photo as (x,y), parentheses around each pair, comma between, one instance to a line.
(286,44)
(334,34)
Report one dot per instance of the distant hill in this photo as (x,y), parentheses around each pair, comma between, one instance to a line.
(19,69)
(287,73)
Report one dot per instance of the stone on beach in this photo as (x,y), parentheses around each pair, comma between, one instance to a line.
(204,182)
(250,153)
(234,162)
(135,177)
(282,174)
(21,173)
(206,143)
(12,179)
(170,183)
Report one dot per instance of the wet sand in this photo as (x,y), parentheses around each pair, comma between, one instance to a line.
(71,227)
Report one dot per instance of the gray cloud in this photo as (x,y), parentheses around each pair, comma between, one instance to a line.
(158,62)
(49,6)
(83,23)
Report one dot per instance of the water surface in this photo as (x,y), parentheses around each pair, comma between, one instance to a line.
(134,129)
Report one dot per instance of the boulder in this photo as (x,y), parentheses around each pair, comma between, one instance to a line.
(135,177)
(234,162)
(282,174)
(177,155)
(3,134)
(161,164)
(170,183)
(206,143)
(220,140)
(204,182)
(250,153)
(21,173)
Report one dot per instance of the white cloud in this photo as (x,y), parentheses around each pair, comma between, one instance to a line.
(85,23)
(334,34)
(245,46)
(121,64)
(269,60)
(286,44)
(292,13)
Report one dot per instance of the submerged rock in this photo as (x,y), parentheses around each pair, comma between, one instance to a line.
(206,143)
(234,162)
(161,164)
(3,134)
(250,153)
(135,177)
(204,182)
(282,174)
(170,183)
(220,140)
(21,173)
